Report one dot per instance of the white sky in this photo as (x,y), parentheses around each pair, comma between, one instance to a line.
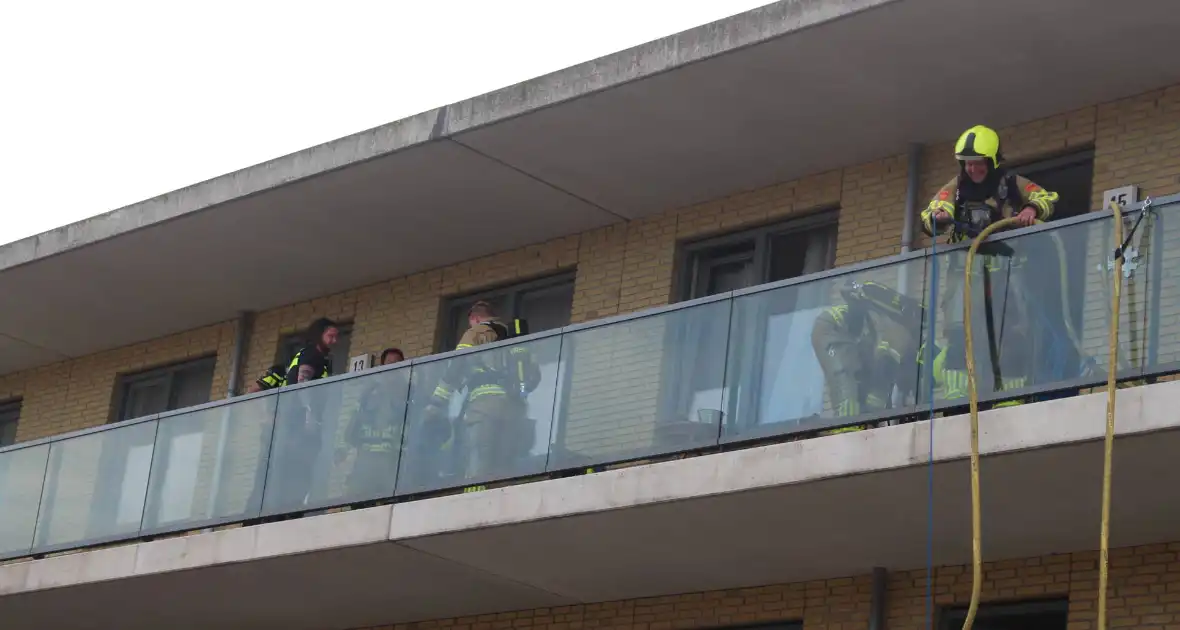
(103,104)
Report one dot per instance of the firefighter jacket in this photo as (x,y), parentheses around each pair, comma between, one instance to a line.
(376,426)
(483,374)
(1013,192)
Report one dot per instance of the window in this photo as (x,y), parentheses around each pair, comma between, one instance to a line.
(758,256)
(1070,176)
(1044,615)
(292,343)
(9,416)
(545,304)
(164,389)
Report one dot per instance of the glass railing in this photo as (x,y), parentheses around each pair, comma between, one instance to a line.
(836,351)
(1040,314)
(480,417)
(209,464)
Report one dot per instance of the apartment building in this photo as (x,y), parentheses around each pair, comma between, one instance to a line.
(670,220)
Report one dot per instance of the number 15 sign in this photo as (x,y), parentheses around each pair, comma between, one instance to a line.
(1124,196)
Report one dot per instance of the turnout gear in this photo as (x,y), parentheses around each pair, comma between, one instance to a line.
(375,433)
(494,429)
(973,206)
(1002,318)
(491,374)
(862,346)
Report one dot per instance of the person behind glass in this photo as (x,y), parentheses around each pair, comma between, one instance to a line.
(866,346)
(375,432)
(983,192)
(497,383)
(302,424)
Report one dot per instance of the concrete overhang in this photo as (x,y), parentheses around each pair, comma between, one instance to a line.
(797,87)
(828,507)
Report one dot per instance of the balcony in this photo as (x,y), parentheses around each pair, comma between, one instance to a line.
(731,384)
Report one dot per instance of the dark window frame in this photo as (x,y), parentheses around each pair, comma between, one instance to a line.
(693,255)
(950,617)
(293,342)
(124,382)
(453,308)
(1053,161)
(9,415)
(672,390)
(1034,168)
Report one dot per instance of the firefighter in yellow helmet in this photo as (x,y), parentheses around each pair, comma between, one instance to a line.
(982,186)
(983,192)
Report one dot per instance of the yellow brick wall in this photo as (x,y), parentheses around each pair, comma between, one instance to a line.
(872,203)
(1144,593)
(1144,587)
(597,287)
(627,267)
(1137,140)
(77,394)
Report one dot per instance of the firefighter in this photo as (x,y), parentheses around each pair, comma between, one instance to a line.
(375,432)
(983,192)
(497,384)
(863,345)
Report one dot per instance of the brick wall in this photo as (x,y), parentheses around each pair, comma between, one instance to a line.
(872,203)
(1144,593)
(628,267)
(77,394)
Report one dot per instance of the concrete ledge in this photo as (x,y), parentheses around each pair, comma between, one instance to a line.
(330,531)
(1012,429)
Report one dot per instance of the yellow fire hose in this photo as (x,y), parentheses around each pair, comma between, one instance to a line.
(976,527)
(1108,445)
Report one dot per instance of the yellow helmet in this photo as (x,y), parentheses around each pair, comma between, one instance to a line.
(979,142)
